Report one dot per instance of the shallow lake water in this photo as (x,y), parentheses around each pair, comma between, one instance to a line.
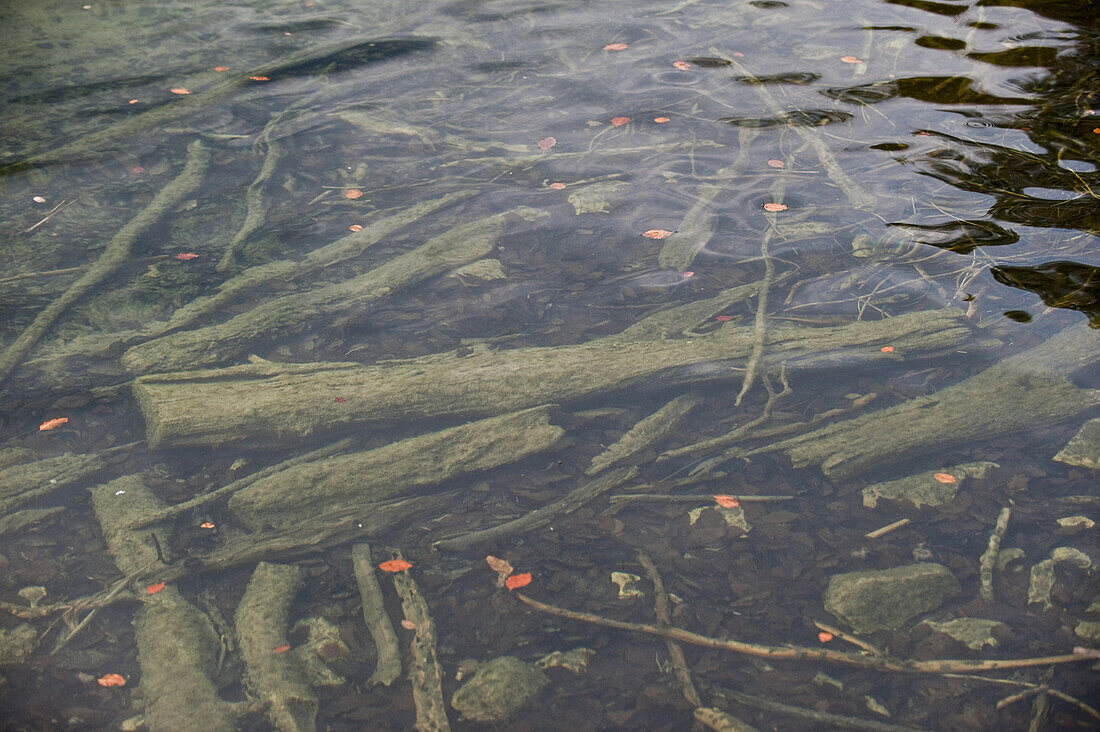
(720,302)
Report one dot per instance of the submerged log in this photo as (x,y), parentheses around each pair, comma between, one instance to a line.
(266,403)
(295,313)
(375,476)
(1027,390)
(177,645)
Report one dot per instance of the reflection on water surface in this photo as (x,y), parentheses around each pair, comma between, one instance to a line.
(768,323)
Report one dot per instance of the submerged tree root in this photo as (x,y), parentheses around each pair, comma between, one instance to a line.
(802,653)
(388,666)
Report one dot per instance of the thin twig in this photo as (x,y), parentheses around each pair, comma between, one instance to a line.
(989,556)
(664,617)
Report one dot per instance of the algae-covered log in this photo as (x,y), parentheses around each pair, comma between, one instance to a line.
(177,645)
(298,312)
(646,432)
(262,620)
(375,476)
(270,403)
(22,483)
(1023,391)
(378,622)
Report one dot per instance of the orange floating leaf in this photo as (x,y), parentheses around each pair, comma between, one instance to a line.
(137,170)
(850,60)
(154,588)
(408,624)
(353,193)
(111,680)
(616,47)
(727,501)
(132,101)
(206,525)
(661,120)
(824,637)
(887,349)
(518,580)
(773,163)
(259,78)
(557,186)
(546,143)
(723,318)
(657,234)
(619,121)
(180,90)
(773,207)
(1096,130)
(184,256)
(281,649)
(339,400)
(689,274)
(394,565)
(52,424)
(738,54)
(682,65)
(945,478)
(221,68)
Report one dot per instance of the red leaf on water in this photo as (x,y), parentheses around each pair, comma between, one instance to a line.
(773,207)
(681,65)
(727,501)
(850,60)
(339,400)
(661,120)
(824,637)
(353,193)
(111,680)
(887,349)
(518,580)
(723,318)
(408,624)
(546,143)
(259,78)
(616,47)
(945,478)
(776,163)
(184,256)
(180,90)
(394,565)
(280,649)
(619,121)
(51,424)
(221,68)
(556,186)
(657,234)
(154,588)
(356,227)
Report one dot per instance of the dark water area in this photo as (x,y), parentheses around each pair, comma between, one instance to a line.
(773,326)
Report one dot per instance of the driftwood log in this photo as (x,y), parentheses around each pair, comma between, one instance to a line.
(266,403)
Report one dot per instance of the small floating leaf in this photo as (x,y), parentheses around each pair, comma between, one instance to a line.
(682,65)
(773,163)
(180,90)
(394,565)
(206,525)
(945,478)
(184,256)
(723,318)
(616,47)
(619,121)
(408,624)
(518,580)
(353,193)
(661,120)
(557,186)
(259,78)
(339,400)
(887,349)
(154,588)
(727,501)
(824,637)
(111,680)
(51,424)
(657,234)
(356,227)
(281,649)
(546,143)
(773,207)
(221,68)
(850,60)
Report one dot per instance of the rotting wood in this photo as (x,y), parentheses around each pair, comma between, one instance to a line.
(388,665)
(294,313)
(646,432)
(267,403)
(827,719)
(989,556)
(92,359)
(662,611)
(425,673)
(115,254)
(802,653)
(177,645)
(720,721)
(544,515)
(1023,391)
(262,620)
(376,476)
(20,484)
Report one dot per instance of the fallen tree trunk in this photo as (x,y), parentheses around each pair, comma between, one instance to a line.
(375,476)
(295,313)
(177,645)
(265,403)
(1023,391)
